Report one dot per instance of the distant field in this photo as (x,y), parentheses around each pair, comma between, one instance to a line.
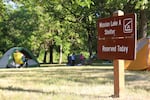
(58,82)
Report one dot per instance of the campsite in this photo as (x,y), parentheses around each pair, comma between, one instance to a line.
(7,59)
(74,49)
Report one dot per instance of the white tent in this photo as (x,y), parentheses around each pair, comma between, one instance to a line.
(7,59)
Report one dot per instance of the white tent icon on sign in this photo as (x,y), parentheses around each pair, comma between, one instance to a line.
(128,25)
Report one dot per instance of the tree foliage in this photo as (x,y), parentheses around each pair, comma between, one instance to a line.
(63,26)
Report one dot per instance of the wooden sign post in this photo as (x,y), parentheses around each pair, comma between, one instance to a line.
(119,76)
(117,42)
(119,80)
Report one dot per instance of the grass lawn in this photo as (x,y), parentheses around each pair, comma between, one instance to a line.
(70,83)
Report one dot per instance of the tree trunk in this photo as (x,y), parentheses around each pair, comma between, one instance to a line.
(51,54)
(90,43)
(60,54)
(45,54)
(143,25)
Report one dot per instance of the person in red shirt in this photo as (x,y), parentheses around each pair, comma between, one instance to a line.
(82,59)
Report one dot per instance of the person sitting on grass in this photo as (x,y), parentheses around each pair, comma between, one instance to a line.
(73,58)
(82,59)
(19,58)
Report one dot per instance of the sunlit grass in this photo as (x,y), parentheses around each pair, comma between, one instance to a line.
(69,83)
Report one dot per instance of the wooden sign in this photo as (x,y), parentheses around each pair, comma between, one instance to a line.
(117,37)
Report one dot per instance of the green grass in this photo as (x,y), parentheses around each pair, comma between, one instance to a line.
(70,83)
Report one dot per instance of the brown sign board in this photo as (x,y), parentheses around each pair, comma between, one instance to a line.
(117,37)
